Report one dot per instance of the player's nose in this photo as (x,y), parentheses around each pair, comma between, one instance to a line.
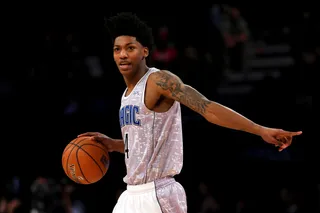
(123,54)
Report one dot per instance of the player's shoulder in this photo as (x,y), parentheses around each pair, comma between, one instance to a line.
(161,75)
(162,80)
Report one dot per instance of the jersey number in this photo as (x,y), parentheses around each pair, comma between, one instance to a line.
(126,147)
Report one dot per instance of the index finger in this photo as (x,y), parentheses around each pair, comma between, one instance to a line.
(87,134)
(293,133)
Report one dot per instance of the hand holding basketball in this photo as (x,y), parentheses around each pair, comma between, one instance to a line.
(101,138)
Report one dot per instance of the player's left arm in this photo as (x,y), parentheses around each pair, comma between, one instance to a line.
(171,86)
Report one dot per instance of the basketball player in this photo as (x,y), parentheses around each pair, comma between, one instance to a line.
(150,120)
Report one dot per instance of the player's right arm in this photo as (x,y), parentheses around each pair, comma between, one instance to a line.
(113,145)
(171,86)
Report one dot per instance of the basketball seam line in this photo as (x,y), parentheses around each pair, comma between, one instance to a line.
(80,147)
(75,145)
(79,163)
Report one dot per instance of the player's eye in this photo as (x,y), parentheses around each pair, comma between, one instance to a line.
(116,49)
(131,48)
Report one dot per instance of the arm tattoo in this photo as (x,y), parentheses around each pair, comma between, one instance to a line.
(182,93)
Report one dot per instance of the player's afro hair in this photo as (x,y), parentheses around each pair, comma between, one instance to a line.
(128,24)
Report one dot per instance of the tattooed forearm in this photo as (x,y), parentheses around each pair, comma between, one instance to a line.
(182,93)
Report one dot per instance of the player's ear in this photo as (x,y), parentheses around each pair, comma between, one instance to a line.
(145,52)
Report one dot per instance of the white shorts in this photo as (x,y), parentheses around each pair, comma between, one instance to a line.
(160,196)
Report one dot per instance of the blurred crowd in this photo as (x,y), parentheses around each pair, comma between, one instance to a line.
(49,196)
(235,57)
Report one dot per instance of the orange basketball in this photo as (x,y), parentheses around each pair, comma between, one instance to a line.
(85,161)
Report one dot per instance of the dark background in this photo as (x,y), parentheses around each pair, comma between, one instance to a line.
(61,81)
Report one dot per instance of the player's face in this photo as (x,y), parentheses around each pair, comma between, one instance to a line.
(128,54)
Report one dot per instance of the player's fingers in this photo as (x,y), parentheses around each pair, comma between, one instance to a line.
(97,138)
(290,133)
(284,146)
(296,133)
(100,140)
(286,142)
(87,134)
(276,142)
(284,139)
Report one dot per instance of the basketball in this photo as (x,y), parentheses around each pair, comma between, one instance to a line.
(85,161)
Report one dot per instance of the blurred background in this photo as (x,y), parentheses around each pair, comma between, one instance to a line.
(257,60)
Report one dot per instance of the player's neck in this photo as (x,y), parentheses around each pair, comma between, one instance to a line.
(131,81)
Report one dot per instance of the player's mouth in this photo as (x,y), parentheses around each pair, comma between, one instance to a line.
(125,65)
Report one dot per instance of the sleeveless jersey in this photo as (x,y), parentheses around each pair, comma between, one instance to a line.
(153,141)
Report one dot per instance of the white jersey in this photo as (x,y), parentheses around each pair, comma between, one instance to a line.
(153,141)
